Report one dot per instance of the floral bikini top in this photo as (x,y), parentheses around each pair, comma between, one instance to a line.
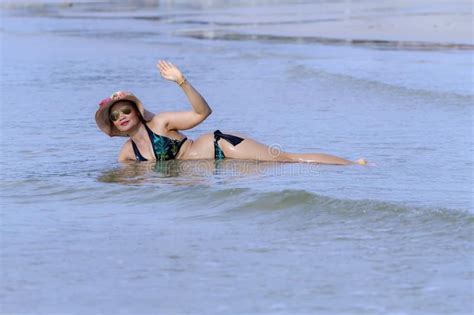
(164,148)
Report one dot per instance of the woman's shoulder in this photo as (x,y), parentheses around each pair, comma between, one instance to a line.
(158,121)
(158,124)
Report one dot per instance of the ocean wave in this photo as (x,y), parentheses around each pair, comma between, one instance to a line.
(305,200)
(196,192)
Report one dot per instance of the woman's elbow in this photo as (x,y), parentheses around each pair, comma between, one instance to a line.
(198,118)
(206,114)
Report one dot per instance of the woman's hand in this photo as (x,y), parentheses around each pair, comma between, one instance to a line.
(169,71)
(182,120)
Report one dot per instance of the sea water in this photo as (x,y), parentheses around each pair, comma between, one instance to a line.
(83,234)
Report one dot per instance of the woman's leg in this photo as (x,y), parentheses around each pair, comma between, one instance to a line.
(250,149)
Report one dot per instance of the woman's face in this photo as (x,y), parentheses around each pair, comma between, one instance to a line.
(124,116)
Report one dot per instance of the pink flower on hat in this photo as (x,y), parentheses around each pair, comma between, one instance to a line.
(119,95)
(105,101)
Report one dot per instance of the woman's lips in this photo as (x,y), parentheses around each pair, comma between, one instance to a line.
(124,123)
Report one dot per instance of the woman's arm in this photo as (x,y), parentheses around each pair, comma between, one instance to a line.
(126,154)
(183,120)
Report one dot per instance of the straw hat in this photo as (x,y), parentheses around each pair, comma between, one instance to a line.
(102,115)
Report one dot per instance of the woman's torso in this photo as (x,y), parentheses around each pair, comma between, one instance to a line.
(201,148)
(160,144)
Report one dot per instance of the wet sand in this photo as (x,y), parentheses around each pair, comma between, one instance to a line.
(442,24)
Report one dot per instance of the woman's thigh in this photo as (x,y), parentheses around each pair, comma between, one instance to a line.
(250,149)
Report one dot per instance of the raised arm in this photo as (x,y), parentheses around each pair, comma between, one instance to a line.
(183,120)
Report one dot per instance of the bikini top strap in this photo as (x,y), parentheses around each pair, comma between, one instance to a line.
(138,155)
(150,132)
(151,135)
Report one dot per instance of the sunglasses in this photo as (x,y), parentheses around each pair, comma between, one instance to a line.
(114,116)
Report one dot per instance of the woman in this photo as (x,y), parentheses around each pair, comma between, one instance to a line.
(158,137)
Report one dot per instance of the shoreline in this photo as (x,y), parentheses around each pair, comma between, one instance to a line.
(414,25)
(374,43)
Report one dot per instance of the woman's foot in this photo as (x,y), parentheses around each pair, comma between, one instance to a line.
(361,162)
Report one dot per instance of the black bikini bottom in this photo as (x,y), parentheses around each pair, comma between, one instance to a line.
(234,140)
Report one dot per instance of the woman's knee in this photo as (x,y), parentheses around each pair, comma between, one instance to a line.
(285,157)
